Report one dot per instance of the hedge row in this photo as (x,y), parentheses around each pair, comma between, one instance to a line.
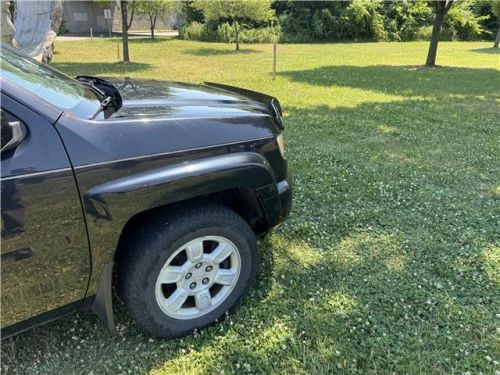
(313,21)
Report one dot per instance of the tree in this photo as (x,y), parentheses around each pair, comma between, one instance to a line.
(441,8)
(152,9)
(125,27)
(236,12)
(495,7)
(127,12)
(127,9)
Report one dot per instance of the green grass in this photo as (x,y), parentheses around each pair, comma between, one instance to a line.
(390,261)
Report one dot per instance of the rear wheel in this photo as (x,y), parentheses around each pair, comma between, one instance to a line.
(184,271)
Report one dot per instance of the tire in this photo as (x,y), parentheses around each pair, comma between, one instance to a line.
(150,289)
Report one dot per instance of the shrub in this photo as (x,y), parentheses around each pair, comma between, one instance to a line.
(463,24)
(191,31)
(323,24)
(424,33)
(225,33)
(406,20)
(488,19)
(365,21)
(402,20)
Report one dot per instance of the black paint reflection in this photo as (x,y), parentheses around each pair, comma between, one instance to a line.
(12,210)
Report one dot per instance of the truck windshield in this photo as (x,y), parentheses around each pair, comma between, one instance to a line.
(52,86)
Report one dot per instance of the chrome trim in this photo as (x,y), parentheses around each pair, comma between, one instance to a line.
(35,174)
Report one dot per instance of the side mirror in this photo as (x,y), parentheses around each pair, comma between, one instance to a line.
(17,132)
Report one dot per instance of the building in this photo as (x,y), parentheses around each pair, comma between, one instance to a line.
(80,16)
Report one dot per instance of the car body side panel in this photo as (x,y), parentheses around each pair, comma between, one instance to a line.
(45,255)
(116,192)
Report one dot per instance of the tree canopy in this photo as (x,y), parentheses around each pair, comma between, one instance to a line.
(255,10)
(236,12)
(154,8)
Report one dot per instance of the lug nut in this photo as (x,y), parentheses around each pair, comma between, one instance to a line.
(192,285)
(205,281)
(209,269)
(199,265)
(188,276)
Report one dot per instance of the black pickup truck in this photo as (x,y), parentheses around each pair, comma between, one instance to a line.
(156,189)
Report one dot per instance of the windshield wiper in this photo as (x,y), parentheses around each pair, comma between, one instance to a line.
(93,88)
(102,106)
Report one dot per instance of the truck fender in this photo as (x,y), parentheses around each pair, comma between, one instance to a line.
(111,205)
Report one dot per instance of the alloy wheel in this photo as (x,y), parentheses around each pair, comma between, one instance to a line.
(198,277)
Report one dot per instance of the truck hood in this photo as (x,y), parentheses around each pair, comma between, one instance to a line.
(152,99)
(159,117)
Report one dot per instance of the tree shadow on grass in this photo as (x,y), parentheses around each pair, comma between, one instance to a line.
(490,51)
(159,39)
(219,52)
(405,80)
(99,68)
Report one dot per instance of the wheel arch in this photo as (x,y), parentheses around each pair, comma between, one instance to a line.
(243,201)
(241,181)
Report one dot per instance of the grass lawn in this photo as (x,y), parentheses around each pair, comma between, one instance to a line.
(390,261)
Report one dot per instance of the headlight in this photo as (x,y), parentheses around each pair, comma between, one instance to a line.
(281,144)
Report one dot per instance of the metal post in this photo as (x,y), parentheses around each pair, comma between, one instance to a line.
(109,27)
(275,49)
(91,35)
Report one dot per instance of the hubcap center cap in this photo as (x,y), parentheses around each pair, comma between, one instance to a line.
(199,277)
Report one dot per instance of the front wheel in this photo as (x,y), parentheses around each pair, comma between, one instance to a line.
(184,271)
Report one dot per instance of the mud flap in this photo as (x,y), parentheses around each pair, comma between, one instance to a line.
(103,303)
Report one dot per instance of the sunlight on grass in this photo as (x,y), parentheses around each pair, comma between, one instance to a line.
(271,338)
(300,253)
(360,247)
(385,129)
(496,191)
(397,157)
(490,260)
(340,303)
(190,361)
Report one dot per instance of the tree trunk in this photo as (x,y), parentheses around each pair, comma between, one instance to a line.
(152,23)
(497,40)
(436,31)
(237,29)
(131,13)
(123,8)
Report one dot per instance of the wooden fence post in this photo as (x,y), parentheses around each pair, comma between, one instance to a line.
(275,49)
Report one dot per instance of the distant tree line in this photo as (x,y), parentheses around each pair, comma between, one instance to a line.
(319,21)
